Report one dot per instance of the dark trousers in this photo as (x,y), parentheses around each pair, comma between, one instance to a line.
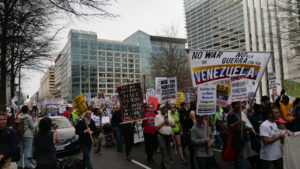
(128,130)
(204,162)
(86,151)
(150,144)
(165,146)
(277,164)
(117,135)
(224,138)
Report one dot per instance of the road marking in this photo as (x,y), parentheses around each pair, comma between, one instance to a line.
(140,164)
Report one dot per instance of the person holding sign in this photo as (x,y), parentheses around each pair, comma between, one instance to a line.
(285,107)
(85,128)
(202,139)
(163,124)
(235,124)
(150,135)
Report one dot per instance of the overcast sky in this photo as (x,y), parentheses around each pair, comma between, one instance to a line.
(150,16)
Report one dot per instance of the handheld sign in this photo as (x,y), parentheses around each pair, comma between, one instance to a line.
(272,80)
(153,100)
(168,89)
(180,99)
(223,93)
(214,65)
(80,105)
(131,102)
(206,101)
(239,89)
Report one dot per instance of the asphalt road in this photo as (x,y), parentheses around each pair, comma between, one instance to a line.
(112,159)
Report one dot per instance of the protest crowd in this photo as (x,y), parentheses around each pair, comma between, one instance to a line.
(248,134)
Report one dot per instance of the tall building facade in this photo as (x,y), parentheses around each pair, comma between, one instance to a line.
(215,24)
(47,84)
(152,45)
(252,25)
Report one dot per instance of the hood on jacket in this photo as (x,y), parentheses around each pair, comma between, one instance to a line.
(23,116)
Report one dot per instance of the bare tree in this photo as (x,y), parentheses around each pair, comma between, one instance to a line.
(26,36)
(170,60)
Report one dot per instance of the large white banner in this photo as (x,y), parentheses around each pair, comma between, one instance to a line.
(206,101)
(213,65)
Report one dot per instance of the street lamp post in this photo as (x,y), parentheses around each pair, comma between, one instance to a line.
(144,77)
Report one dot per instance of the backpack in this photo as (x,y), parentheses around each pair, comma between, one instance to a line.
(18,126)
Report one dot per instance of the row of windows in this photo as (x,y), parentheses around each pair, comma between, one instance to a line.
(116,65)
(123,55)
(110,59)
(103,69)
(117,75)
(117,47)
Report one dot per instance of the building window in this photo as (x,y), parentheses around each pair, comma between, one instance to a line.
(137,60)
(110,85)
(124,55)
(124,70)
(124,75)
(101,74)
(109,64)
(137,70)
(101,69)
(118,75)
(109,54)
(124,65)
(109,69)
(124,59)
(117,69)
(102,85)
(102,80)
(131,70)
(110,80)
(109,75)
(102,58)
(101,63)
(117,64)
(130,60)
(109,59)
(117,59)
(117,80)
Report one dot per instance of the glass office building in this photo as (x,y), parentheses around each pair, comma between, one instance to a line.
(215,24)
(90,65)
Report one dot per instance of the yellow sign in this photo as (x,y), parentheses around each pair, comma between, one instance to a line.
(80,105)
(223,90)
(180,99)
(100,94)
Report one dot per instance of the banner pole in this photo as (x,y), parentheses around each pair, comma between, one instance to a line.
(255,93)
(241,125)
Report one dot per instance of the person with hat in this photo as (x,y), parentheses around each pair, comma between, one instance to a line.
(285,108)
(163,124)
(265,104)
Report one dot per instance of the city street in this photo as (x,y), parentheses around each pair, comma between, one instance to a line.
(112,159)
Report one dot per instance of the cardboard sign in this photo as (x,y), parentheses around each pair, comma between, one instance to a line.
(223,93)
(272,80)
(153,100)
(214,65)
(180,99)
(157,84)
(292,88)
(105,120)
(100,94)
(239,89)
(131,102)
(150,92)
(206,101)
(80,105)
(168,89)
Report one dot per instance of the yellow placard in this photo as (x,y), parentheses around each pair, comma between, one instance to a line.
(223,90)
(80,105)
(180,99)
(100,94)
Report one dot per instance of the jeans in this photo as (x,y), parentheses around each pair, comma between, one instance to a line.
(240,162)
(150,144)
(117,135)
(278,164)
(204,162)
(224,138)
(86,150)
(25,144)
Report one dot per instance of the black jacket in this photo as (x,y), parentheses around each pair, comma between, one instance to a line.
(84,138)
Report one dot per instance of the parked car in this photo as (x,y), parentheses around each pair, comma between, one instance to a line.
(69,141)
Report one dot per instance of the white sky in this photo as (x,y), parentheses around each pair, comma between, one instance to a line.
(150,16)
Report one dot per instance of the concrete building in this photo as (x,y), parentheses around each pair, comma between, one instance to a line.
(252,25)
(152,45)
(58,78)
(215,24)
(47,84)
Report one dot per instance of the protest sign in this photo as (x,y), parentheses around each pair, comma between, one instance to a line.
(131,101)
(239,89)
(214,65)
(138,132)
(105,120)
(168,89)
(251,91)
(157,84)
(80,105)
(206,101)
(100,94)
(223,93)
(153,100)
(272,80)
(150,92)
(180,99)
(292,88)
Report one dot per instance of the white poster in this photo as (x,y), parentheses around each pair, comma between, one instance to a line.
(138,132)
(239,89)
(157,84)
(214,65)
(168,89)
(150,92)
(251,92)
(272,80)
(206,101)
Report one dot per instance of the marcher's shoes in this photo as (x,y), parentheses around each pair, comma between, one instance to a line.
(128,158)
(20,167)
